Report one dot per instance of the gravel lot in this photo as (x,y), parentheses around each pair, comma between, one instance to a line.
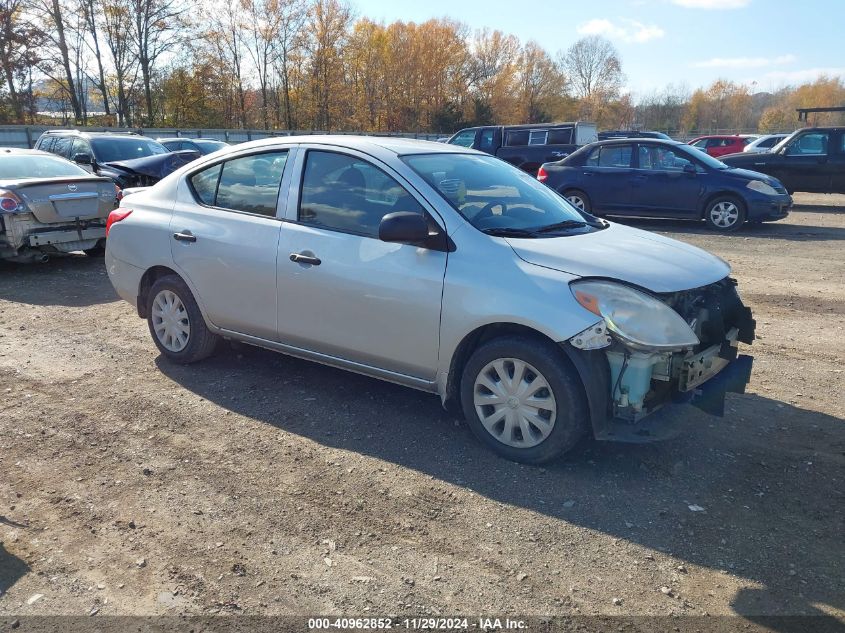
(254,483)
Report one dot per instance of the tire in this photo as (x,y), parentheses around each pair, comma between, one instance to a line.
(724,214)
(99,250)
(176,323)
(579,200)
(552,431)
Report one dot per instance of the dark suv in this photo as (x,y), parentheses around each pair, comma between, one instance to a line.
(129,159)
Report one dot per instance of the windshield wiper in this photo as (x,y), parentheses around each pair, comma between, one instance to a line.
(557,226)
(505,231)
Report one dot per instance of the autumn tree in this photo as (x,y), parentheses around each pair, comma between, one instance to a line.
(19,42)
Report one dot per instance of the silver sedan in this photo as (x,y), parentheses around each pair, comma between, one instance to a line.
(435,267)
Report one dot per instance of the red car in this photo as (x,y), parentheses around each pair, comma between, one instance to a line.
(722,144)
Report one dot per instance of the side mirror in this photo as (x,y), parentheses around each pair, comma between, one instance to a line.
(404,227)
(82,159)
(689,168)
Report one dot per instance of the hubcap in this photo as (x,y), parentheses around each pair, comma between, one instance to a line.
(724,214)
(514,402)
(170,321)
(576,201)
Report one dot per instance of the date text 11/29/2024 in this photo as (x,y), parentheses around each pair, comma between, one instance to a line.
(440,624)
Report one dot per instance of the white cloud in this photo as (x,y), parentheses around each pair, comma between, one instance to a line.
(745,62)
(712,4)
(802,76)
(627,30)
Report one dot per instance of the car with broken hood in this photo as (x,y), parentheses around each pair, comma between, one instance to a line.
(49,205)
(440,268)
(129,159)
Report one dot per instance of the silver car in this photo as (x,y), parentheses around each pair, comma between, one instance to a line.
(439,268)
(49,205)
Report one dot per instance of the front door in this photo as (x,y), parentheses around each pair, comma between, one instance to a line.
(225,241)
(805,164)
(662,185)
(342,291)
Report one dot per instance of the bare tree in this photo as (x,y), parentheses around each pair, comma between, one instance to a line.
(594,68)
(156,30)
(117,24)
(90,10)
(57,65)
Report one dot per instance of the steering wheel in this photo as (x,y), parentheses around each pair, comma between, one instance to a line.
(487,210)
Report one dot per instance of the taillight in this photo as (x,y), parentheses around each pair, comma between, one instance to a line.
(9,202)
(116,216)
(542,174)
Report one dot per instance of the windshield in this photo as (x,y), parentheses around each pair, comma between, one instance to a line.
(709,161)
(494,196)
(783,142)
(108,150)
(20,166)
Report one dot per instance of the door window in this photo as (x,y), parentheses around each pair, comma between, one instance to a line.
(464,139)
(560,136)
(62,146)
(347,194)
(812,144)
(80,146)
(610,156)
(486,142)
(701,144)
(659,158)
(249,184)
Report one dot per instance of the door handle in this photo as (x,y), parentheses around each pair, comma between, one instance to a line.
(301,258)
(185,236)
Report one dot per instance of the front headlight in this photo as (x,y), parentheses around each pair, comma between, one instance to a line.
(762,187)
(635,317)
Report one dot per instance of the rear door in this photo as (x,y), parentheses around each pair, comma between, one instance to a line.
(225,239)
(608,177)
(660,186)
(343,292)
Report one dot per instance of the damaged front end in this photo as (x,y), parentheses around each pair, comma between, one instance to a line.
(641,356)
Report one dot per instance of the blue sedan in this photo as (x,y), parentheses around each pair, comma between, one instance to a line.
(665,179)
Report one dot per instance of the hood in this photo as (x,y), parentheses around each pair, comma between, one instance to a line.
(638,257)
(747,159)
(157,166)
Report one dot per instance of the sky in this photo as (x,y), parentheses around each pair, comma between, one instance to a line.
(767,44)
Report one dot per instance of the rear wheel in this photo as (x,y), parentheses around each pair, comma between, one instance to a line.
(522,399)
(725,214)
(176,323)
(579,200)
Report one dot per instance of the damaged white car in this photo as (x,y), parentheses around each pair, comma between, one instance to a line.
(48,205)
(439,268)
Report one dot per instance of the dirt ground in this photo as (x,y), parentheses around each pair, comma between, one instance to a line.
(254,483)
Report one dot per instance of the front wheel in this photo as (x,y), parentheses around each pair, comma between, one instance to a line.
(724,214)
(522,398)
(176,323)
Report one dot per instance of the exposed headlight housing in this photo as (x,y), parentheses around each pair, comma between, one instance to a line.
(762,187)
(638,319)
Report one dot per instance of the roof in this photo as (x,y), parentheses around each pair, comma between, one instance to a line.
(397,145)
(641,139)
(89,133)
